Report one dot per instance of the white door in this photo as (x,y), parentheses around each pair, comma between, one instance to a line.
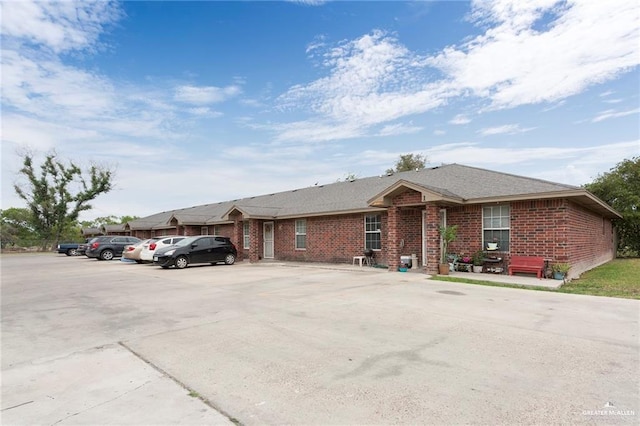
(267,231)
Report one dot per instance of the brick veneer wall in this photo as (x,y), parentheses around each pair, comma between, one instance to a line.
(469,235)
(555,229)
(333,239)
(591,240)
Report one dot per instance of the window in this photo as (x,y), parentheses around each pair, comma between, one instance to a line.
(301,234)
(496,226)
(372,232)
(245,235)
(204,230)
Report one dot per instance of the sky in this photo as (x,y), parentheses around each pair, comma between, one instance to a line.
(199,102)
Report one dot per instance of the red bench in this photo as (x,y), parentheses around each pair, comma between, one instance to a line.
(527,264)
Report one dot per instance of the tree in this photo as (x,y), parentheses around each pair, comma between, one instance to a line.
(408,162)
(57,195)
(106,220)
(350,177)
(620,188)
(16,228)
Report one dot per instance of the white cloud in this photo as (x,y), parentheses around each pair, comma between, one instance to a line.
(460,119)
(398,129)
(59,25)
(528,53)
(514,63)
(439,132)
(372,80)
(605,115)
(308,2)
(204,112)
(206,95)
(509,129)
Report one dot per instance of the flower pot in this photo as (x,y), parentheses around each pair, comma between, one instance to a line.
(477,268)
(443,269)
(558,276)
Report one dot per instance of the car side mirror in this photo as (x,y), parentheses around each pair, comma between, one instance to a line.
(194,245)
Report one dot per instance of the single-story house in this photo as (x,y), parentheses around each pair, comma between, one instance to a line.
(400,214)
(111,229)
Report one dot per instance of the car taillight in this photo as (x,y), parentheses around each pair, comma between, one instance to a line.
(95,245)
(130,248)
(152,246)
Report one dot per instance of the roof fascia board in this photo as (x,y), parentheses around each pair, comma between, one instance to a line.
(545,195)
(427,195)
(334,213)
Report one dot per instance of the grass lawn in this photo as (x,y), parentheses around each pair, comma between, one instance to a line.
(618,278)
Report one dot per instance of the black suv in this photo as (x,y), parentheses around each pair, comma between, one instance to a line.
(199,249)
(109,246)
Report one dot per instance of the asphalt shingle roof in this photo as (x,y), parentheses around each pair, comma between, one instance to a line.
(451,180)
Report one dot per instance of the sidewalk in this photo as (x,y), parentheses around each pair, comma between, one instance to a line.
(522,280)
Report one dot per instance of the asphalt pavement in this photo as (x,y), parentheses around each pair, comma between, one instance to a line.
(93,342)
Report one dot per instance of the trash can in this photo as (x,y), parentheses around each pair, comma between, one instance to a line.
(405,260)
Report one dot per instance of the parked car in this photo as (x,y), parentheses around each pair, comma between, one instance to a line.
(158,243)
(82,247)
(198,249)
(70,249)
(132,251)
(109,246)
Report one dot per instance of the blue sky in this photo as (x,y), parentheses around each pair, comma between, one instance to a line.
(200,102)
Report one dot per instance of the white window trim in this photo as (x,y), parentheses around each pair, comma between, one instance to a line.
(246,235)
(507,228)
(378,231)
(204,230)
(295,238)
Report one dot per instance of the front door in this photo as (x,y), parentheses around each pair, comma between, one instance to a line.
(267,229)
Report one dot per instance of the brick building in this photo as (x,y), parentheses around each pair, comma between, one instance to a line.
(400,214)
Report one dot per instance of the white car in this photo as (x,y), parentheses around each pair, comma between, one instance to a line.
(148,248)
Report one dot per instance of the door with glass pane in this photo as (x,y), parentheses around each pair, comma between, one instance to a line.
(267,229)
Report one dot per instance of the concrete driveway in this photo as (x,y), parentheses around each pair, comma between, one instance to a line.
(86,342)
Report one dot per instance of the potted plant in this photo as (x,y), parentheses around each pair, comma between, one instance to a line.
(478,261)
(448,234)
(560,270)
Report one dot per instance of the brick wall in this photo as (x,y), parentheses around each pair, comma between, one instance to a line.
(555,229)
(333,239)
(590,241)
(469,237)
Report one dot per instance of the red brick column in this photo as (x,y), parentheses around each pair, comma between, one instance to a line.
(393,239)
(238,235)
(255,240)
(432,236)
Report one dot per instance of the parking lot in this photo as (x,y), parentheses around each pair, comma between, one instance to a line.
(87,342)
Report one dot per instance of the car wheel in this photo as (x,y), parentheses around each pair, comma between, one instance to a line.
(181,262)
(139,261)
(106,255)
(72,252)
(229,259)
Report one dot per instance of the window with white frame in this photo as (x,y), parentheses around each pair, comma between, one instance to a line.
(496,226)
(204,230)
(373,232)
(301,234)
(245,235)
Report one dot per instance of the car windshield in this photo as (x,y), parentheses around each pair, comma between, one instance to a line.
(186,241)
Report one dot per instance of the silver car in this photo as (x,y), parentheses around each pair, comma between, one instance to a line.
(146,254)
